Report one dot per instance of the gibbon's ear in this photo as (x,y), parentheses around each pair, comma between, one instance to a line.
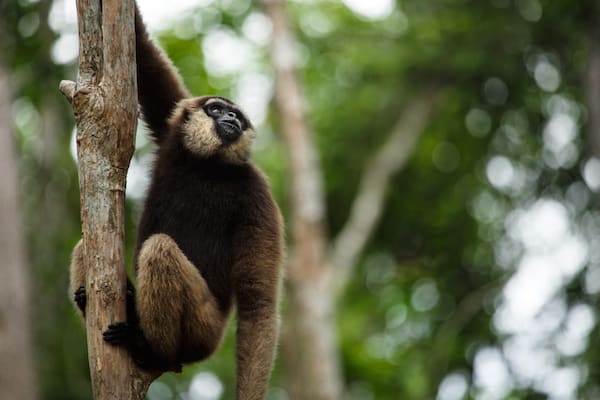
(182,113)
(185,115)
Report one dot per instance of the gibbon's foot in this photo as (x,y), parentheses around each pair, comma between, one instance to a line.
(130,293)
(117,334)
(80,298)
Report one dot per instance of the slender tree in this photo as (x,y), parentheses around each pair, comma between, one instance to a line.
(104,101)
(591,79)
(319,269)
(17,378)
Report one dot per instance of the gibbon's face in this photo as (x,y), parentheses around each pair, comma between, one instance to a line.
(215,126)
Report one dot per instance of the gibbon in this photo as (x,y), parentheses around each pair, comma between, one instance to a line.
(210,235)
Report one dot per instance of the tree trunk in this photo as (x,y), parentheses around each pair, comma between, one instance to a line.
(315,280)
(105,106)
(592,89)
(308,340)
(17,379)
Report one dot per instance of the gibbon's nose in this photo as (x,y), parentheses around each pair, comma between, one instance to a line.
(229,127)
(231,118)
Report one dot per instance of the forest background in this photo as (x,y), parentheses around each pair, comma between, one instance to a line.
(466,268)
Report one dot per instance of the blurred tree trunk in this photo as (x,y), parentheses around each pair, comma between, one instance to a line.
(592,88)
(308,341)
(104,102)
(319,271)
(17,378)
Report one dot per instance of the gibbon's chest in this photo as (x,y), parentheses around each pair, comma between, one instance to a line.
(198,201)
(200,210)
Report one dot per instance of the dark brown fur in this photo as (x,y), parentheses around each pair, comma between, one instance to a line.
(210,235)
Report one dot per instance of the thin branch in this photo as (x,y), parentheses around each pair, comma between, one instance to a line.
(369,202)
(68,88)
(308,199)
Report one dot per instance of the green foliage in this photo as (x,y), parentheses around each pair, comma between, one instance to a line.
(426,295)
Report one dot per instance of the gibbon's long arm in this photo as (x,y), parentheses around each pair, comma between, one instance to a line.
(159,85)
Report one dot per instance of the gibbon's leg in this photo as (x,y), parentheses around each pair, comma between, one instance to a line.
(257,286)
(78,278)
(178,315)
(257,329)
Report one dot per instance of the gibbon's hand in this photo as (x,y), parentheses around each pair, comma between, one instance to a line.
(117,334)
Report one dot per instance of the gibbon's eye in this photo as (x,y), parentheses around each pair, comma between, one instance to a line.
(215,109)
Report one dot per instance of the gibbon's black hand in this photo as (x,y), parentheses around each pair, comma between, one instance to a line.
(117,334)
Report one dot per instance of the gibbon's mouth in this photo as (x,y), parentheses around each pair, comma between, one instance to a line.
(229,131)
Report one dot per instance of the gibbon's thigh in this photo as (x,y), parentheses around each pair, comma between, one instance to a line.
(177,312)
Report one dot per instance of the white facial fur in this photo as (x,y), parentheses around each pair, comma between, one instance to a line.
(199,134)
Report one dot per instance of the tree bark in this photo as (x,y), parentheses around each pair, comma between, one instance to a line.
(104,102)
(17,378)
